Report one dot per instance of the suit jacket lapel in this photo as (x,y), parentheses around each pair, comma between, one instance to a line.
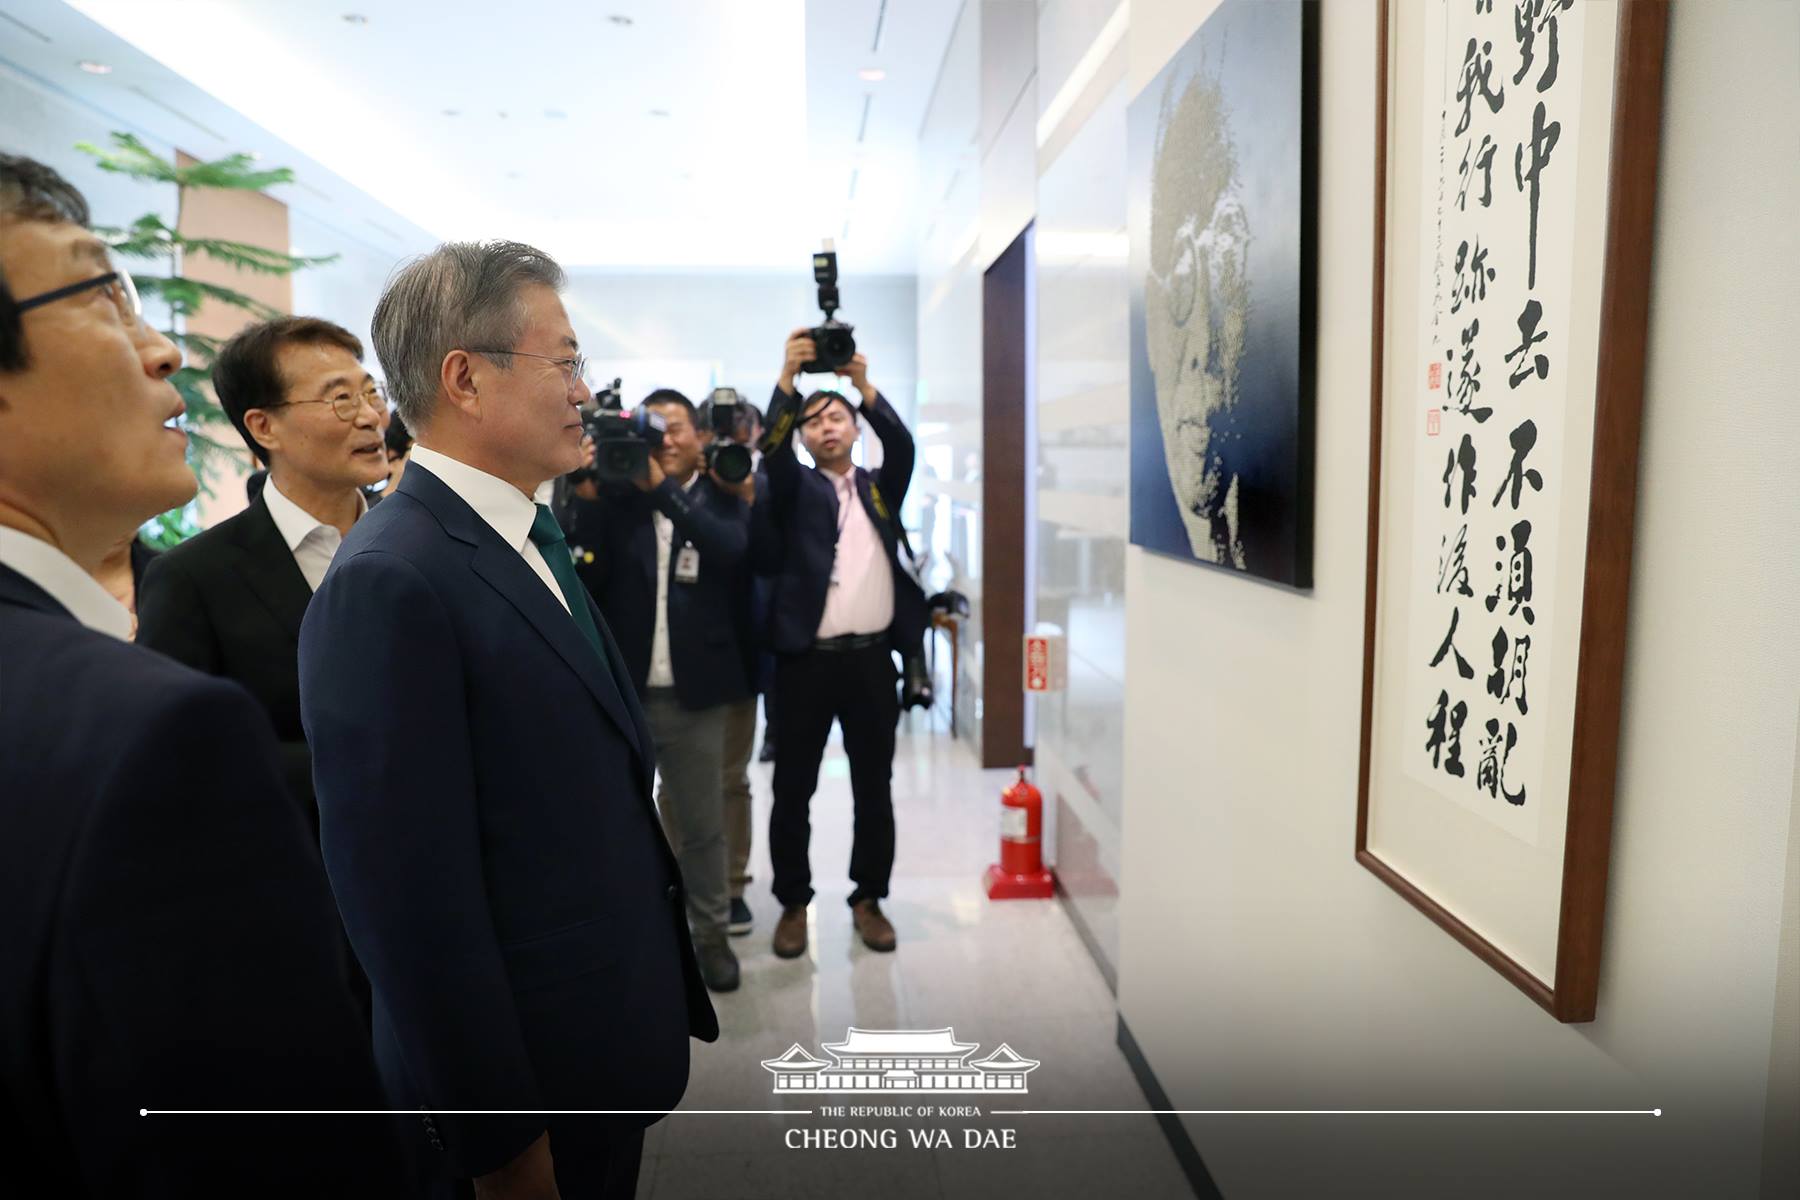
(270,570)
(505,570)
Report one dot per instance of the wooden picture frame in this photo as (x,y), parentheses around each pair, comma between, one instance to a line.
(1587,715)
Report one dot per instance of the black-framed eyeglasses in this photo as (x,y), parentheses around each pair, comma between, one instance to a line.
(576,366)
(118,287)
(345,404)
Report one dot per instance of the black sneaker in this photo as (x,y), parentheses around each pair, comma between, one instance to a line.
(718,966)
(741,921)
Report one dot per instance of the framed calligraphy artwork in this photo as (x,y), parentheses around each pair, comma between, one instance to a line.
(1515,184)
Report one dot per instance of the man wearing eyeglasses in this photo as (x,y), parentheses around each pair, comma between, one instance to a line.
(229,601)
(167,939)
(484,768)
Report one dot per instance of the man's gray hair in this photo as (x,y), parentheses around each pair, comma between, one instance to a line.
(461,296)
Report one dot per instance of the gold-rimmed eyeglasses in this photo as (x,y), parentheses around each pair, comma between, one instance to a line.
(576,367)
(346,404)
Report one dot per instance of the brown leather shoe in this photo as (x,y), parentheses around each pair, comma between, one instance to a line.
(876,930)
(790,933)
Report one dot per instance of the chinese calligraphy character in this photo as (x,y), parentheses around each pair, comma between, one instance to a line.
(1477,68)
(1515,574)
(1474,287)
(1531,17)
(1449,647)
(1468,379)
(1446,729)
(1484,162)
(1529,364)
(1509,684)
(1490,774)
(1464,457)
(1523,439)
(1543,140)
(1453,570)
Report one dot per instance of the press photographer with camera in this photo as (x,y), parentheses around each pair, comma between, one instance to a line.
(843,604)
(661,544)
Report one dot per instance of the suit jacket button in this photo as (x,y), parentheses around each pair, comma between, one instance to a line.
(673,892)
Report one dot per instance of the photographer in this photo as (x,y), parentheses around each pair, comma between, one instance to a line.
(842,605)
(663,557)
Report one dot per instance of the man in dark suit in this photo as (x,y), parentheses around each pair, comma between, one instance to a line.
(482,767)
(666,566)
(229,601)
(167,940)
(842,605)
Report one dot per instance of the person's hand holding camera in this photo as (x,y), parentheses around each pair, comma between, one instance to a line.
(799,351)
(858,372)
(744,489)
(653,476)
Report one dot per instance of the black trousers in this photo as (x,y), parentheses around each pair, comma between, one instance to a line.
(856,688)
(596,1158)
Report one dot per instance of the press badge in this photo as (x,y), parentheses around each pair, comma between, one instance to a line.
(687,565)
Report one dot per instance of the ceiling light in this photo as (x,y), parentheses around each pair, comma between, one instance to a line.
(659,112)
(620,19)
(501,114)
(355,19)
(453,112)
(94,68)
(871,74)
(555,114)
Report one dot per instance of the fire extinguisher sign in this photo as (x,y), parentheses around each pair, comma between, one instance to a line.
(1043,662)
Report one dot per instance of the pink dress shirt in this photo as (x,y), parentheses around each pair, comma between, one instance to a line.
(861,596)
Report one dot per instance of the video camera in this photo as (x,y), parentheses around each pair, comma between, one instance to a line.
(833,342)
(725,456)
(623,442)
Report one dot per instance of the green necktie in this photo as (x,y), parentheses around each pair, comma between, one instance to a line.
(548,536)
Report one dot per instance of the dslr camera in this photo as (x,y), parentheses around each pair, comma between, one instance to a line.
(727,458)
(833,341)
(623,441)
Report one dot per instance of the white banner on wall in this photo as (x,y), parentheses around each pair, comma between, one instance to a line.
(1501,116)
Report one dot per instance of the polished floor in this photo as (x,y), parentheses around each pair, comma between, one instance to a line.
(1013,972)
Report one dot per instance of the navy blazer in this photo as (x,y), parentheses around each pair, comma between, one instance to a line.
(484,799)
(229,602)
(167,939)
(795,536)
(704,616)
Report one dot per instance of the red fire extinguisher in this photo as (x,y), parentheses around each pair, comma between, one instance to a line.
(1020,873)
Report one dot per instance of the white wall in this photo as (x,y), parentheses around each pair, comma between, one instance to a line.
(694,332)
(1262,967)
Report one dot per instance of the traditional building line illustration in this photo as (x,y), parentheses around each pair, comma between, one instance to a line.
(919,1060)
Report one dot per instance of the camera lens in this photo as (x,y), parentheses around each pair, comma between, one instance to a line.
(730,461)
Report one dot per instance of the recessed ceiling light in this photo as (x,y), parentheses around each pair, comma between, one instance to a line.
(501,114)
(355,19)
(94,68)
(871,74)
(619,19)
(515,174)
(453,112)
(659,112)
(555,114)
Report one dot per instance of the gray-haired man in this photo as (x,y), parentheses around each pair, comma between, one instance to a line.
(482,767)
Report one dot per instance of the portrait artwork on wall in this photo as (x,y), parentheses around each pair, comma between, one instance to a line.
(1515,184)
(1220,218)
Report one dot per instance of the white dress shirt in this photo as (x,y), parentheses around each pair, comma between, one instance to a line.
(861,596)
(504,507)
(67,584)
(662,665)
(313,542)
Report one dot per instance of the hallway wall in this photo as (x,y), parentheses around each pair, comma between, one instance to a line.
(1261,966)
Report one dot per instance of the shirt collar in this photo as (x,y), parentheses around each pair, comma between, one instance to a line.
(67,584)
(294,522)
(504,507)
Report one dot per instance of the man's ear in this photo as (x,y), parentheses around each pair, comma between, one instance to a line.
(261,426)
(456,374)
